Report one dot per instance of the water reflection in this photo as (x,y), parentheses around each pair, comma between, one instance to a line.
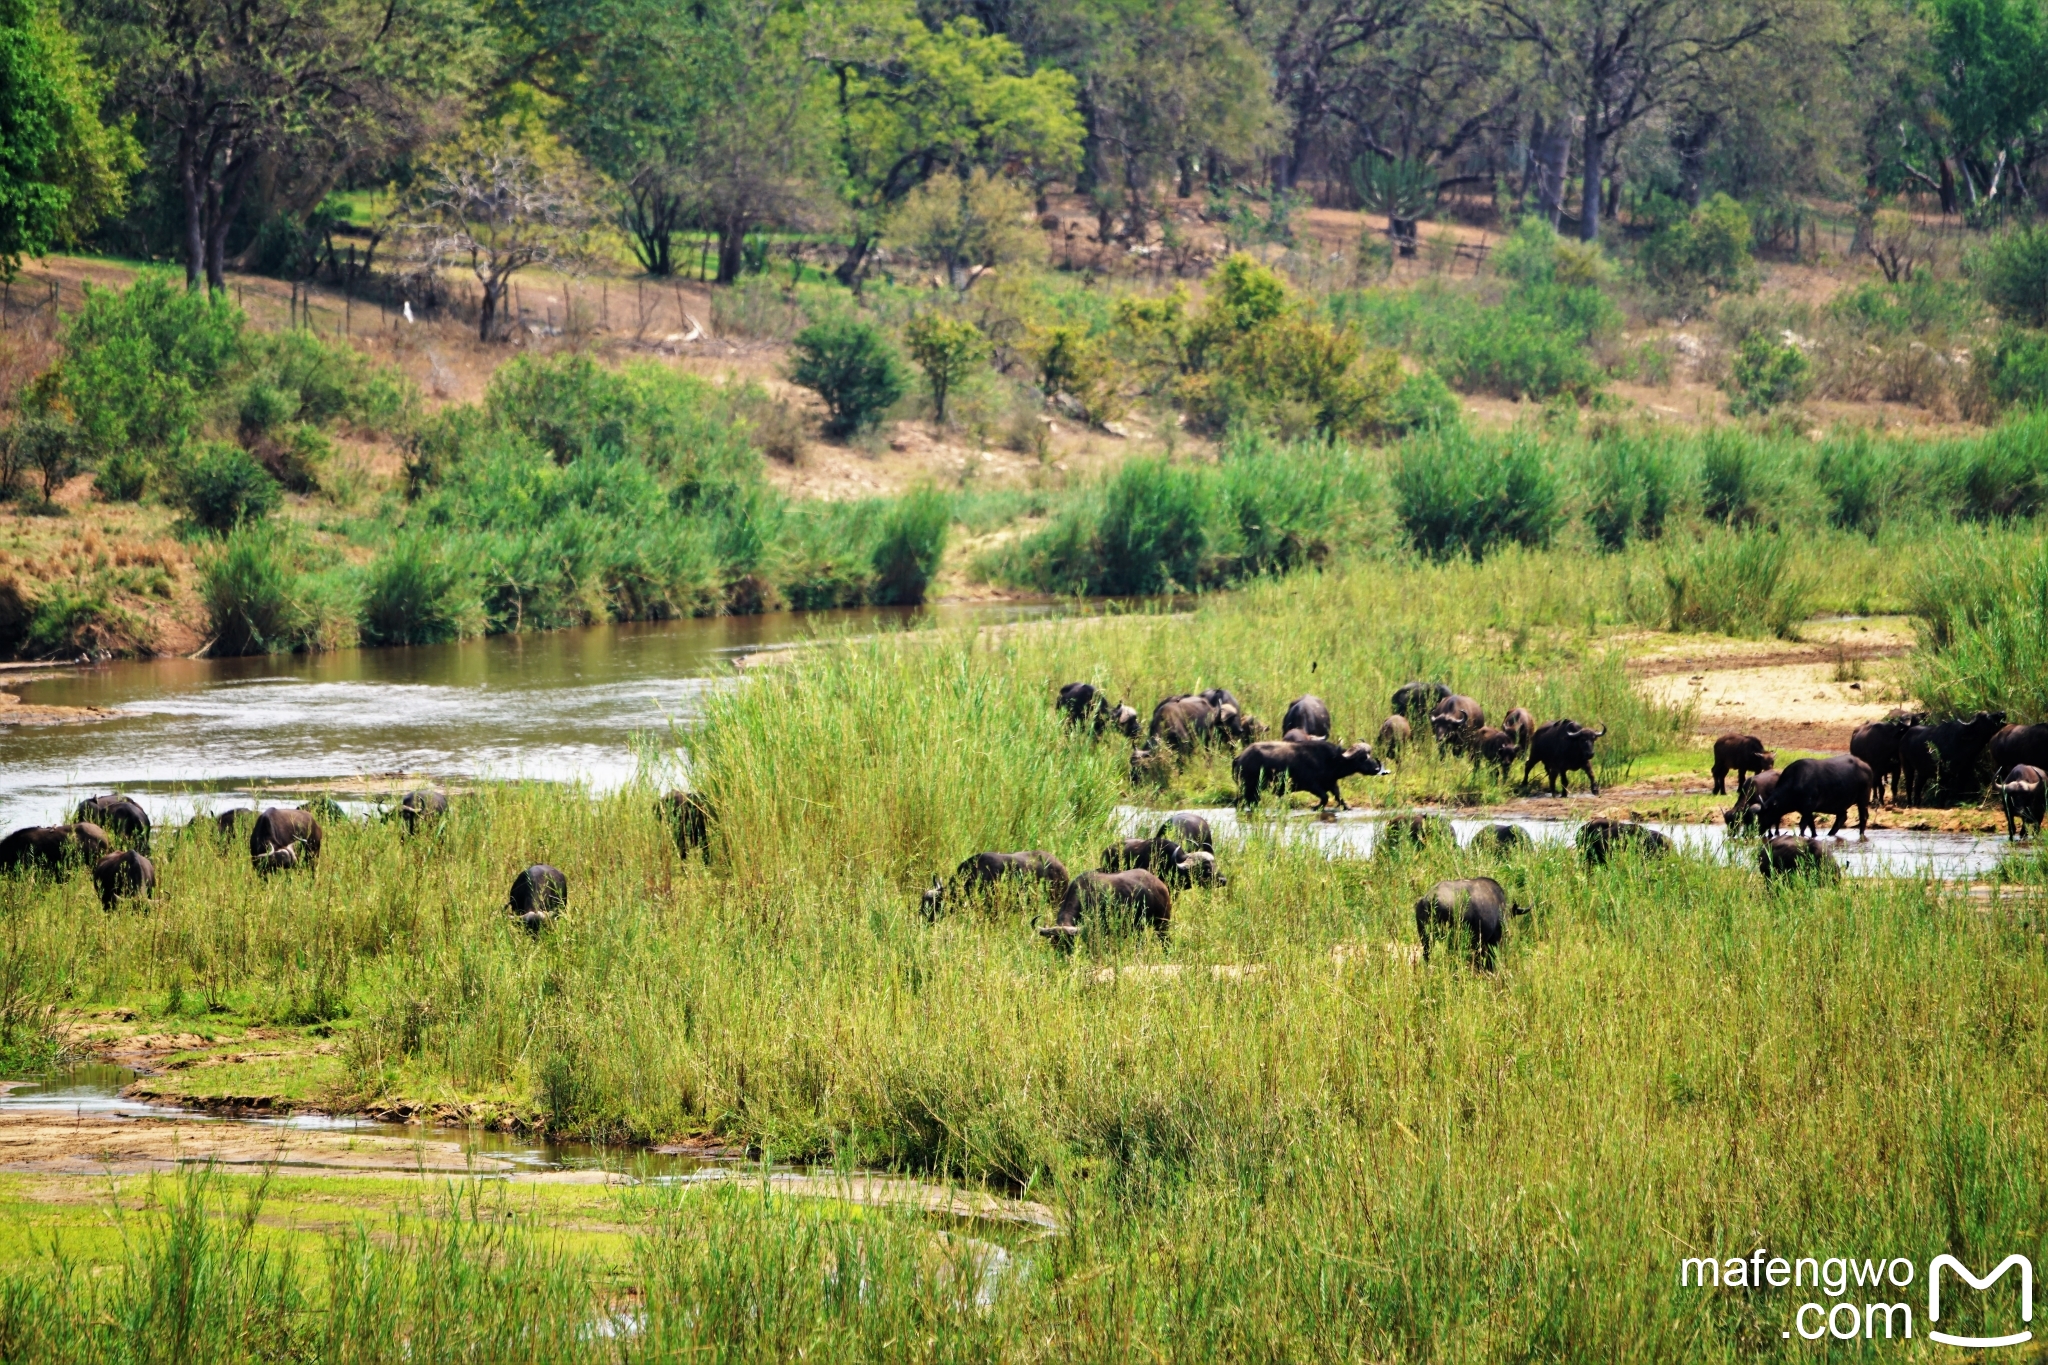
(558,706)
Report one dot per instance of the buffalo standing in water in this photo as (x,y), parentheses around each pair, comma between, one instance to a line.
(1478,905)
(1137,893)
(1789,855)
(1821,786)
(2023,793)
(1750,799)
(1599,840)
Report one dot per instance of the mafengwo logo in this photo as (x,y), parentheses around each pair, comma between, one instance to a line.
(1863,1298)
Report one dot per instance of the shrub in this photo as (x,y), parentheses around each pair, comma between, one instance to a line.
(46,444)
(2016,368)
(221,486)
(1154,529)
(913,541)
(137,362)
(1688,255)
(1917,306)
(852,367)
(123,476)
(1518,354)
(1071,361)
(1735,486)
(259,600)
(1736,584)
(2004,474)
(1632,485)
(1459,494)
(1863,481)
(2011,271)
(948,350)
(1984,636)
(418,594)
(1767,374)
(756,307)
(1423,403)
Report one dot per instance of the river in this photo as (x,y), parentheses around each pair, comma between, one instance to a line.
(559,706)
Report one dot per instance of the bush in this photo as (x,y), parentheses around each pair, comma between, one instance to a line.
(1154,530)
(259,599)
(2003,475)
(1423,403)
(852,367)
(137,362)
(1458,494)
(221,486)
(2016,368)
(1863,480)
(2011,271)
(1736,584)
(1632,485)
(912,543)
(1689,255)
(418,594)
(1767,374)
(948,350)
(1918,306)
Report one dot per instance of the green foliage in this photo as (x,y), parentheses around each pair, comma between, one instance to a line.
(947,349)
(418,594)
(221,486)
(1455,493)
(1631,486)
(1767,374)
(1423,403)
(1864,481)
(61,169)
(138,363)
(1920,307)
(1533,344)
(1689,255)
(2011,271)
(1399,188)
(852,367)
(2003,475)
(2017,368)
(322,382)
(1736,583)
(260,598)
(1983,607)
(911,544)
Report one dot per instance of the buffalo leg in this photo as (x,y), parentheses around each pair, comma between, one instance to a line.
(1594,781)
(1721,781)
(1862,819)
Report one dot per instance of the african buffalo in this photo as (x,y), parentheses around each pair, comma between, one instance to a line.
(1478,905)
(119,816)
(127,873)
(1078,699)
(1316,768)
(1455,720)
(2023,792)
(1401,834)
(1415,699)
(1219,697)
(1881,744)
(2017,744)
(54,848)
(688,815)
(1491,744)
(1787,855)
(1194,869)
(1563,747)
(278,829)
(1503,839)
(1307,713)
(1948,751)
(1394,734)
(228,823)
(1741,755)
(1091,894)
(1189,830)
(1599,840)
(1236,726)
(1154,855)
(540,889)
(1747,812)
(1151,765)
(1122,718)
(414,807)
(1519,723)
(1821,786)
(1181,723)
(984,872)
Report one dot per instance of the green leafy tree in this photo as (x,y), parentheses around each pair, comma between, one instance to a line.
(911,101)
(852,366)
(1990,59)
(966,225)
(61,168)
(137,363)
(948,350)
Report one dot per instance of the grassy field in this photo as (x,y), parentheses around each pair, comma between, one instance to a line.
(1299,1145)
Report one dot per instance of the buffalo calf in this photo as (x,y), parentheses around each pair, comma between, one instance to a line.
(1788,855)
(1741,755)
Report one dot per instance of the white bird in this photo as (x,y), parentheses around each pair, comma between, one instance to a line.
(408,310)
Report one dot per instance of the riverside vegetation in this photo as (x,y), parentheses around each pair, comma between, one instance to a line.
(1337,1154)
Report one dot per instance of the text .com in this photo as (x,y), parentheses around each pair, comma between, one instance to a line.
(1875,1299)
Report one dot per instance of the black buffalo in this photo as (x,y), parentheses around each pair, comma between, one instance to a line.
(1122,718)
(1788,855)
(54,848)
(1078,700)
(1110,895)
(538,894)
(119,816)
(1153,765)
(1563,747)
(1416,699)
(1181,724)
(983,872)
(1394,735)
(1156,855)
(1402,834)
(1189,830)
(1503,839)
(1316,768)
(127,873)
(1219,697)
(1308,714)
(2022,793)
(283,838)
(1947,752)
(1235,726)
(688,816)
(1741,755)
(1600,840)
(1519,723)
(1821,786)
(229,823)
(1748,811)
(1456,720)
(1881,744)
(1194,869)
(1477,905)
(414,807)
(1490,744)
(2016,744)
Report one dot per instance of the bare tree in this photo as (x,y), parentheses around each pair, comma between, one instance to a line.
(1620,60)
(498,200)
